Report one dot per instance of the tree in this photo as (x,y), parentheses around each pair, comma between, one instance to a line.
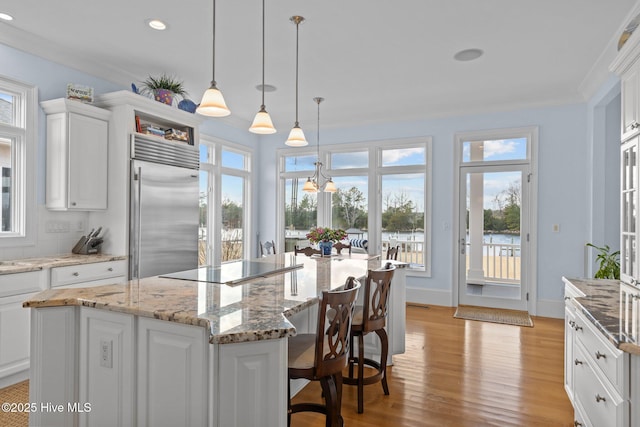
(231,214)
(399,213)
(349,206)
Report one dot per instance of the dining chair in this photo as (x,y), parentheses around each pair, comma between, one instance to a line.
(322,356)
(308,251)
(267,248)
(368,318)
(340,246)
(392,252)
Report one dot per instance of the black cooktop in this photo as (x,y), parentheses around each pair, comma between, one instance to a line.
(232,273)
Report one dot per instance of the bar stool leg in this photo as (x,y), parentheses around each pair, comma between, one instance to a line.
(360,374)
(384,343)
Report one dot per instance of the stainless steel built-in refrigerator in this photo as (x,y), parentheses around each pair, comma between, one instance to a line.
(164,212)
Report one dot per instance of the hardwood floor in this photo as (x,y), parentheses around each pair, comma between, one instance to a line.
(464,373)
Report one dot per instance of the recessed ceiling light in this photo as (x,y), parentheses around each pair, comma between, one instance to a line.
(157,24)
(468,55)
(6,17)
(267,88)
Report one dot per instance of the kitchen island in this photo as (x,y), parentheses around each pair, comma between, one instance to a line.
(167,351)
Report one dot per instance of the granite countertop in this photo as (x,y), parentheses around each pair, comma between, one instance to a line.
(34,264)
(248,311)
(600,303)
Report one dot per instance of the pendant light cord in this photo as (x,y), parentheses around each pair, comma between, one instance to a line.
(297,42)
(262,107)
(213,49)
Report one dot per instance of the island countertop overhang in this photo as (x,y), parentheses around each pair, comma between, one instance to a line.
(254,310)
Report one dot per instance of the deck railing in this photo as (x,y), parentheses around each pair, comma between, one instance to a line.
(500,261)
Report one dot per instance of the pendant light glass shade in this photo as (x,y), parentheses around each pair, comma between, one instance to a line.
(262,123)
(309,187)
(330,187)
(296,137)
(213,104)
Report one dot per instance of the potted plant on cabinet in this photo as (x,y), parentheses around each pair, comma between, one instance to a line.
(163,88)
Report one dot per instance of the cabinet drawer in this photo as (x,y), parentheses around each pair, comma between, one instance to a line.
(22,283)
(73,274)
(602,406)
(602,353)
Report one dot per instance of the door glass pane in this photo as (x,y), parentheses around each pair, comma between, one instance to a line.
(301,212)
(495,150)
(404,156)
(493,234)
(7,183)
(349,206)
(300,163)
(232,217)
(350,160)
(233,160)
(7,112)
(203,235)
(403,216)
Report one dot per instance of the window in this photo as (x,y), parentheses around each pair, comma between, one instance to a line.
(18,103)
(224,193)
(383,196)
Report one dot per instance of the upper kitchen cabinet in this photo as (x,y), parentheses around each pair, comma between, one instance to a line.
(77,155)
(630,91)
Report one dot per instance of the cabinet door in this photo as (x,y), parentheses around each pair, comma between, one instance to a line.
(88,142)
(569,335)
(173,374)
(14,337)
(630,109)
(629,218)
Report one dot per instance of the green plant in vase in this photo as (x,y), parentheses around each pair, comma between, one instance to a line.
(163,88)
(609,262)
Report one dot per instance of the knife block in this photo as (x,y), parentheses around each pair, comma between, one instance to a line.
(85,247)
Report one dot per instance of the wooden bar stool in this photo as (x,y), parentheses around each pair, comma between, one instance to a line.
(392,252)
(340,246)
(322,356)
(376,297)
(267,248)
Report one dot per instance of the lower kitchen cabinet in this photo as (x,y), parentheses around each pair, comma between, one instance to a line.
(138,371)
(88,275)
(15,324)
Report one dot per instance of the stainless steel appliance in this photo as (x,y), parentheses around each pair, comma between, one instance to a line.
(164,212)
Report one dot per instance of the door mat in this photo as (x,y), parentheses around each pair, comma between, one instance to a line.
(495,315)
(17,393)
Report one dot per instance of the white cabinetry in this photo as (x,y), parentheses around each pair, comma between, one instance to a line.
(630,88)
(87,275)
(597,374)
(15,323)
(172,373)
(77,153)
(629,226)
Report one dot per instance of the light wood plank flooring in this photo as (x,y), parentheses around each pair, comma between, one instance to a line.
(464,373)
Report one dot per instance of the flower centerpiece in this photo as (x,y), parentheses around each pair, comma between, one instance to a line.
(326,237)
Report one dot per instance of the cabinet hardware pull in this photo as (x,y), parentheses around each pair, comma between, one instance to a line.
(600,355)
(110,268)
(75,273)
(73,203)
(566,298)
(572,323)
(577,423)
(600,398)
(577,328)
(577,362)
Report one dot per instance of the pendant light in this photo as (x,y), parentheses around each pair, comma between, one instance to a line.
(212,103)
(296,136)
(262,123)
(313,184)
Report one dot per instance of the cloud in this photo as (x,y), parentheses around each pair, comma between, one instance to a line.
(499,147)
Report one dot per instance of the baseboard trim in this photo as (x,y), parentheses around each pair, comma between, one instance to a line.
(429,296)
(14,378)
(550,308)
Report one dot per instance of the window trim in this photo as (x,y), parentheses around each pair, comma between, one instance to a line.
(214,214)
(374,174)
(26,131)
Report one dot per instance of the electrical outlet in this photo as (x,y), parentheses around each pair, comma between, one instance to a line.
(106,353)
(555,228)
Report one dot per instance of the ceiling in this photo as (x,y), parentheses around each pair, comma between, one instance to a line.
(373,61)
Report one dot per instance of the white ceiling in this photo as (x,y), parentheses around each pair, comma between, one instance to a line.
(372,60)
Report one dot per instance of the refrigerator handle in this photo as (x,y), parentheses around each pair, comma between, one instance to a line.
(138,223)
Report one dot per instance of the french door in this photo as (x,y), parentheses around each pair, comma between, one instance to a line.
(493,222)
